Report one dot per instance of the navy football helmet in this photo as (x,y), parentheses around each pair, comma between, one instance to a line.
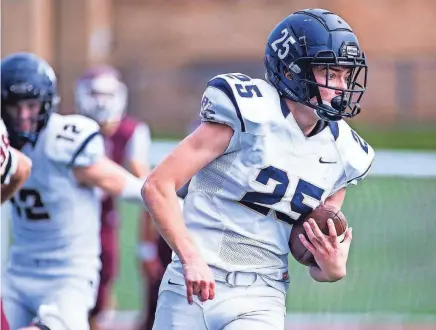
(24,76)
(310,38)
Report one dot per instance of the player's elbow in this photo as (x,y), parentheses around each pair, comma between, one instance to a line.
(146,190)
(151,190)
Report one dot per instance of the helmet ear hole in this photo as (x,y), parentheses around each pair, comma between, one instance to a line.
(287,74)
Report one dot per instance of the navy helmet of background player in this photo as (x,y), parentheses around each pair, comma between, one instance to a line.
(27,77)
(316,38)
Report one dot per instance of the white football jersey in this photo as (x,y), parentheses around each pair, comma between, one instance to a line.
(8,157)
(55,220)
(240,208)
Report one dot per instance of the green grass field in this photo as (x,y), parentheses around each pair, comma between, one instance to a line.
(411,136)
(401,136)
(392,267)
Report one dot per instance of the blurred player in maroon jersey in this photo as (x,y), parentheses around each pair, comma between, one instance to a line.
(102,96)
(154,255)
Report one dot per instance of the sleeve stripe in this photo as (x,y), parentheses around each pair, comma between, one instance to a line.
(7,169)
(224,86)
(82,147)
(362,175)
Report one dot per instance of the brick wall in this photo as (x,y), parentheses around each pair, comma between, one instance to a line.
(167,50)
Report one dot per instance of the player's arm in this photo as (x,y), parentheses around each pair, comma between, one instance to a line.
(78,144)
(208,142)
(111,178)
(218,134)
(357,157)
(18,170)
(337,199)
(137,150)
(336,269)
(147,246)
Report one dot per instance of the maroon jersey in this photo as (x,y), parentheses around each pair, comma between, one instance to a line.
(4,322)
(116,150)
(130,141)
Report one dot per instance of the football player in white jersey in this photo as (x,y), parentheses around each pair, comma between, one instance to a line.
(53,271)
(266,154)
(15,167)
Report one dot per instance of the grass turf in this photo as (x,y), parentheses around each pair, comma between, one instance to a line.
(392,265)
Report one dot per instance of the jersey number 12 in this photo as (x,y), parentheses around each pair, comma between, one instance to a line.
(30,203)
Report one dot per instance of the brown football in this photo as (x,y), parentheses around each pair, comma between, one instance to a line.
(321,214)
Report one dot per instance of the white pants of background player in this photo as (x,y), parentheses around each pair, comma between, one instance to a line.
(247,303)
(60,302)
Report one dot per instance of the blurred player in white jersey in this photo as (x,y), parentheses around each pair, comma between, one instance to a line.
(15,169)
(266,154)
(53,271)
(101,95)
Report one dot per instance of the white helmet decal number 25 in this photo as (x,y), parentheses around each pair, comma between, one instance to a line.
(284,47)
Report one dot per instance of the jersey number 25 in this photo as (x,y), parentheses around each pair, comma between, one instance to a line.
(306,196)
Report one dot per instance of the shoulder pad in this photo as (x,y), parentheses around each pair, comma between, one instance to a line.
(357,155)
(70,138)
(236,100)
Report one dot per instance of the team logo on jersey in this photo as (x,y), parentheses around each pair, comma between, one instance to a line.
(206,110)
(322,161)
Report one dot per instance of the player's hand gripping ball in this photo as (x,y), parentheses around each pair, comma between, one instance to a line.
(321,214)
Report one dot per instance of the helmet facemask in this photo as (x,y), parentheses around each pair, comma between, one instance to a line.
(11,113)
(308,39)
(102,98)
(301,80)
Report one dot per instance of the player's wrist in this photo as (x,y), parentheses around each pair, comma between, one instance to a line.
(334,272)
(317,274)
(189,253)
(147,251)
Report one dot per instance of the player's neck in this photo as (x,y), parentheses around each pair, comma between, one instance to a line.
(305,118)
